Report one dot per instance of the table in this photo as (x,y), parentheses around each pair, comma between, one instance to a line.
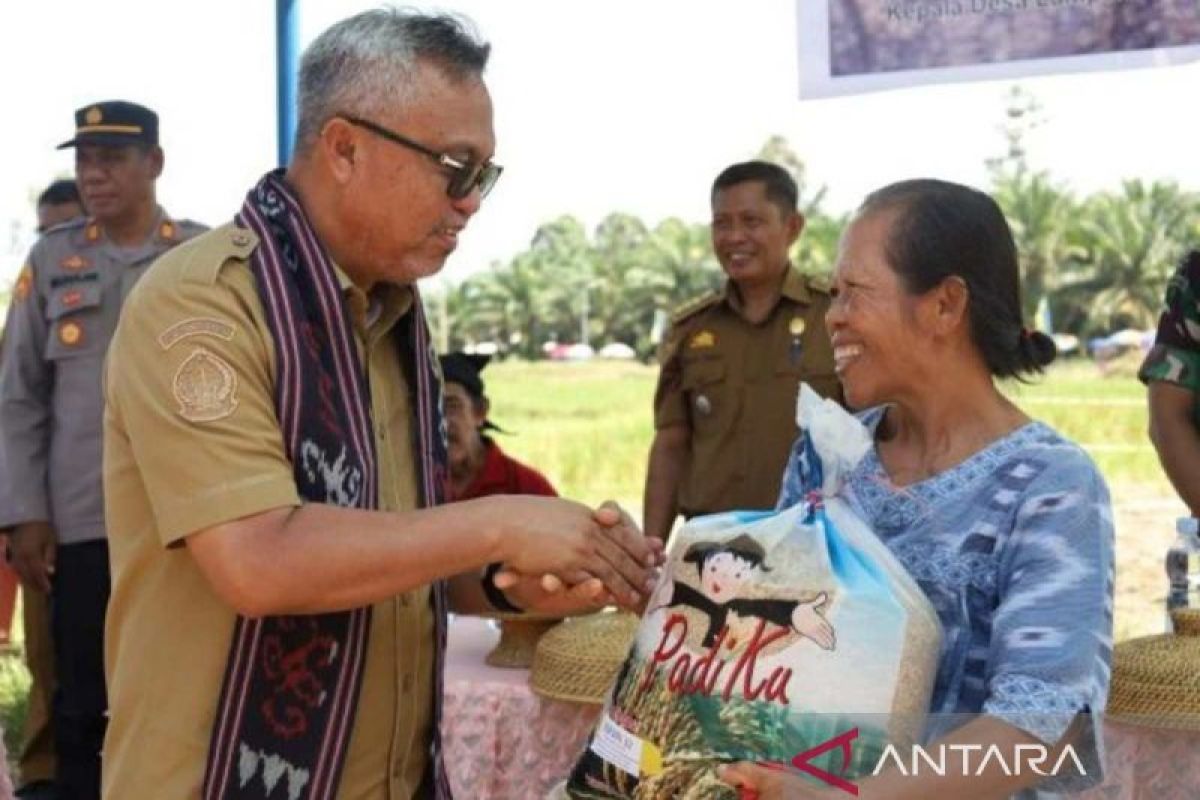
(502,741)
(1141,763)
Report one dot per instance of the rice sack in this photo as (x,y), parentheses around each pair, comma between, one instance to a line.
(768,635)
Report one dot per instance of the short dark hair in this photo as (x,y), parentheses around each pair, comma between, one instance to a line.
(59,193)
(779,185)
(944,229)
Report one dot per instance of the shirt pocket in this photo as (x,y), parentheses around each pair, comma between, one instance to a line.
(78,328)
(705,387)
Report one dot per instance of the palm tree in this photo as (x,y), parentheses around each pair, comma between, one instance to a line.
(1042,216)
(1132,241)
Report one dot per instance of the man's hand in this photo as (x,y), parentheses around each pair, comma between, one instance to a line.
(32,546)
(564,542)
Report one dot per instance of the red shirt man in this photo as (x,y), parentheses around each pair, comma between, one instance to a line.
(478,467)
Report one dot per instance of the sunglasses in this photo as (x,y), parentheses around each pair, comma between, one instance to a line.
(465,176)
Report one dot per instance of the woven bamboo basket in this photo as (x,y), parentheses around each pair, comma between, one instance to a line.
(1156,679)
(578,660)
(519,635)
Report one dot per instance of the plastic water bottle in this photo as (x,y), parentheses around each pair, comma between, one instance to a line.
(1183,567)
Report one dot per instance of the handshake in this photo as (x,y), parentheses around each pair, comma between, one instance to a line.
(561,557)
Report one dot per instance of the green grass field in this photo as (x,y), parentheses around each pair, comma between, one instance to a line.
(588,427)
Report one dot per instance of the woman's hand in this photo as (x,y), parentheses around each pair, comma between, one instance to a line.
(757,782)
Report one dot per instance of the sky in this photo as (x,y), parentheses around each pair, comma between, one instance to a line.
(621,105)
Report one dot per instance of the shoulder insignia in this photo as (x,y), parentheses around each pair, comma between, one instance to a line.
(24,284)
(196,326)
(695,306)
(702,340)
(205,386)
(207,254)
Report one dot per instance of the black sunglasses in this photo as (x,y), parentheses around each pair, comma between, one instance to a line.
(464,176)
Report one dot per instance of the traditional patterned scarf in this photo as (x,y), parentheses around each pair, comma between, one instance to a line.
(291,682)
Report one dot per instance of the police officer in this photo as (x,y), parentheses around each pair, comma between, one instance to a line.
(64,310)
(732,361)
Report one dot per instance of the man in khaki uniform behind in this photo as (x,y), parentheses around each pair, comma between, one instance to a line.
(65,307)
(280,577)
(733,361)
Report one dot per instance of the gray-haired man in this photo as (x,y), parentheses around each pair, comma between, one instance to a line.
(273,469)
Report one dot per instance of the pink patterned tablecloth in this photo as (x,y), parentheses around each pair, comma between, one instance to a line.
(503,741)
(1144,763)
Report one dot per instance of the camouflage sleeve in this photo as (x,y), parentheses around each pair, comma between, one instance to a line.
(1175,357)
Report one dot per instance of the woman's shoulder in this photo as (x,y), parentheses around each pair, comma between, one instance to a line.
(1060,463)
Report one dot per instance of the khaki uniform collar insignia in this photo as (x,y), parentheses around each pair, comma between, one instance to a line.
(701,340)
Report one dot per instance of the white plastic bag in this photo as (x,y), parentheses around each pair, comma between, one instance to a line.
(769,635)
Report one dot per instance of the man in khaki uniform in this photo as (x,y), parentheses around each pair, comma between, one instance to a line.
(64,310)
(733,361)
(209,481)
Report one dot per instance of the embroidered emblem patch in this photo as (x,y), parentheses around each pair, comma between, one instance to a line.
(24,283)
(70,333)
(702,339)
(205,387)
(195,326)
(74,262)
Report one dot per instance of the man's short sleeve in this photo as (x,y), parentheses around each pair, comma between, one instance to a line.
(670,405)
(190,414)
(1175,357)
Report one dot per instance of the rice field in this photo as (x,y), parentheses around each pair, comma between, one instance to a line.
(589,426)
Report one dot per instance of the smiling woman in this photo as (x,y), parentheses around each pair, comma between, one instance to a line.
(1005,525)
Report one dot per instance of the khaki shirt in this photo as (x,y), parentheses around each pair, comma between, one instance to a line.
(171,471)
(64,310)
(734,385)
